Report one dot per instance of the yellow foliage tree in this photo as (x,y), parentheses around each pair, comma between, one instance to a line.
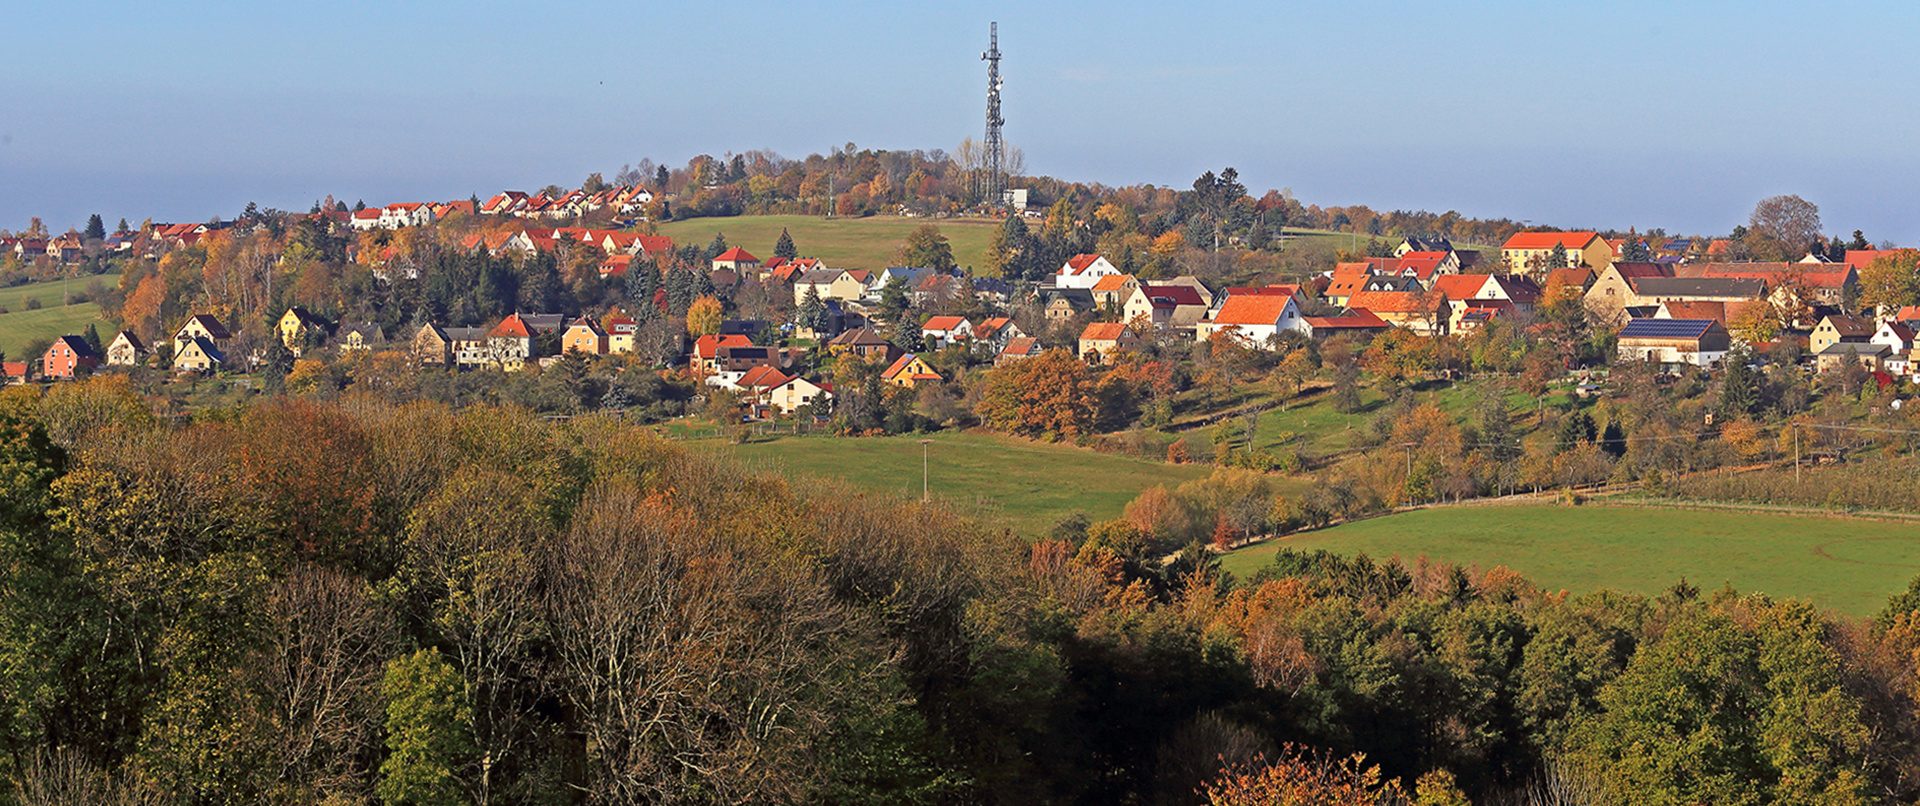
(704,317)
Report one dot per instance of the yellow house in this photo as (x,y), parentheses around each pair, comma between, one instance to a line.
(1526,249)
(203,326)
(296,326)
(909,371)
(197,355)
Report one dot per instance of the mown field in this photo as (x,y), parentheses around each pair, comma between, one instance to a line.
(844,243)
(1028,486)
(1850,566)
(20,327)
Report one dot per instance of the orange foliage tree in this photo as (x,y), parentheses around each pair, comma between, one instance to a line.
(1301,777)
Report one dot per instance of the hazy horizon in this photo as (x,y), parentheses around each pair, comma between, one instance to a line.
(1582,115)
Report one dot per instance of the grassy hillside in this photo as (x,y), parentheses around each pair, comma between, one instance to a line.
(20,327)
(844,243)
(1027,485)
(1848,565)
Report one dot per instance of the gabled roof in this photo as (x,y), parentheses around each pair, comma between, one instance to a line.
(1461,286)
(1393,302)
(1667,328)
(205,347)
(1694,309)
(1631,270)
(901,364)
(1173,294)
(78,345)
(588,324)
(1114,282)
(131,339)
(1732,287)
(1079,263)
(947,323)
(1548,240)
(762,376)
(211,325)
(1897,330)
(1021,345)
(1846,325)
(1517,287)
(737,255)
(511,327)
(1252,309)
(1103,331)
(1419,264)
(1362,319)
(858,337)
(709,346)
(991,326)
(1345,282)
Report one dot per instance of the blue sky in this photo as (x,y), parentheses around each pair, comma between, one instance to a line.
(1572,114)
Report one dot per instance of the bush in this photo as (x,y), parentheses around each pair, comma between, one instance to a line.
(33,303)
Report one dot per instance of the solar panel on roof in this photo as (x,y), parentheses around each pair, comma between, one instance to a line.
(1666,328)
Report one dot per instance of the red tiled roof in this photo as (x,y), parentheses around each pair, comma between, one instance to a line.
(1103,331)
(511,327)
(737,255)
(1252,309)
(1352,319)
(1461,286)
(943,323)
(763,376)
(1391,302)
(709,346)
(1548,240)
(1079,263)
(1176,294)
(1022,345)
(1113,282)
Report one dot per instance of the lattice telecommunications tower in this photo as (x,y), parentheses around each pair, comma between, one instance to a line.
(996,183)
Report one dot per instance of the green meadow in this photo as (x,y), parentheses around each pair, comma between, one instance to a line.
(1848,565)
(844,243)
(20,327)
(1028,486)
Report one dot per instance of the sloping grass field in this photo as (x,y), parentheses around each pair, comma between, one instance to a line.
(1028,486)
(1850,566)
(20,327)
(844,243)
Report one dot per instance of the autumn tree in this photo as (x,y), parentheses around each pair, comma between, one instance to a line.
(1303,777)
(704,317)
(1891,280)
(1053,394)
(1783,227)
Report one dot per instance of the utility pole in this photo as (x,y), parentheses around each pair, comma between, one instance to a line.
(923,469)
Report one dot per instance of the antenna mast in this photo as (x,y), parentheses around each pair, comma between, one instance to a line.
(995,185)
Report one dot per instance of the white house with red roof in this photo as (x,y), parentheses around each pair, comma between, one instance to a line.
(795,392)
(736,259)
(940,332)
(706,350)
(366,220)
(405,214)
(1083,271)
(1255,316)
(1167,306)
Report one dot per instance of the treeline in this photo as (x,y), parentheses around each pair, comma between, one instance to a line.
(290,602)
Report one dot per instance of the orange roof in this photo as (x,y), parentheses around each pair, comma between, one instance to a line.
(1352,319)
(511,327)
(1113,282)
(943,323)
(709,346)
(1081,262)
(1344,283)
(1391,302)
(1461,286)
(1549,240)
(1020,346)
(737,255)
(1252,309)
(1103,331)
(763,376)
(900,365)
(992,325)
